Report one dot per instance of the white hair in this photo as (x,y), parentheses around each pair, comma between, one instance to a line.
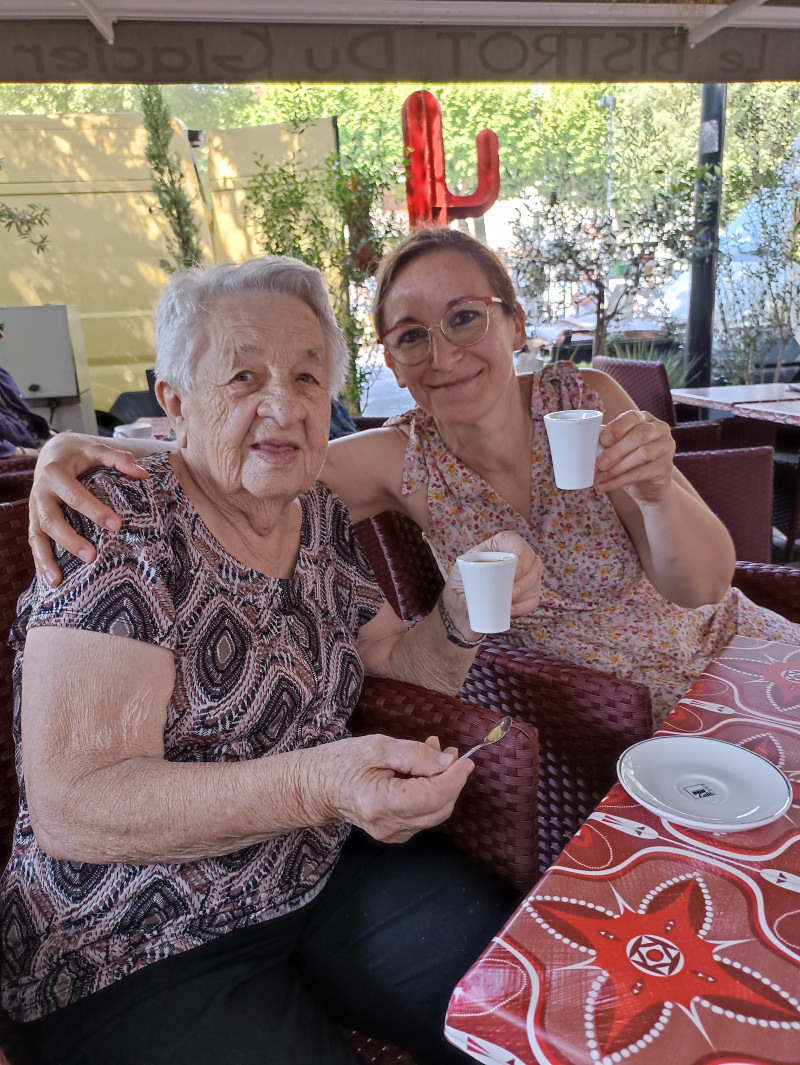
(194,294)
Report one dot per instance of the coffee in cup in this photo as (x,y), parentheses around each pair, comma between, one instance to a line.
(488,580)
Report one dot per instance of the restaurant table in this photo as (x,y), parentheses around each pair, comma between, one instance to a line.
(653,943)
(783,412)
(728,397)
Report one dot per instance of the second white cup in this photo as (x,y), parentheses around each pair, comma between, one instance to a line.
(573,437)
(144,429)
(488,579)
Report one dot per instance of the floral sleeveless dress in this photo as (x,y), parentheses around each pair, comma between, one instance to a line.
(598,608)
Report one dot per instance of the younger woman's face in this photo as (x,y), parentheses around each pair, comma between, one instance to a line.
(454,383)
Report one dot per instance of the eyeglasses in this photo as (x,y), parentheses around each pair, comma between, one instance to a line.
(465,324)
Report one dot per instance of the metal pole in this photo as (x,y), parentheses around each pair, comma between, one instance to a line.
(700,323)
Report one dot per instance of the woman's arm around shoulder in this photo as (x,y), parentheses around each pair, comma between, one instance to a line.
(685,550)
(366,471)
(61,461)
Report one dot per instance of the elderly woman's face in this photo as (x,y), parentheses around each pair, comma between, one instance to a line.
(257,417)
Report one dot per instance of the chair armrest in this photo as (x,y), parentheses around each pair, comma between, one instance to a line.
(584,718)
(775,587)
(16,463)
(697,436)
(16,484)
(495,818)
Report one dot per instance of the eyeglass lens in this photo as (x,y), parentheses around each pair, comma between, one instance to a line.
(465,324)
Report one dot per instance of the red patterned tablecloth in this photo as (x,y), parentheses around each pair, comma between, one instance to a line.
(652,943)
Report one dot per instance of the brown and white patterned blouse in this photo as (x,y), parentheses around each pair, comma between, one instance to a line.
(263,665)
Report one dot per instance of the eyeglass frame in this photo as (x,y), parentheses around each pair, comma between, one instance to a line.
(486,300)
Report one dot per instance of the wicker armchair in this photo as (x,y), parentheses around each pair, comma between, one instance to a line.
(647,384)
(18,462)
(736,484)
(15,484)
(585,719)
(494,821)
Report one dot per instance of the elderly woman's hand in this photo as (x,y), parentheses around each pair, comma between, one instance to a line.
(637,456)
(61,460)
(390,788)
(527,580)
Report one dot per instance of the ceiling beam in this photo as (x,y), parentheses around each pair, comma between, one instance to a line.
(709,26)
(104,24)
(573,13)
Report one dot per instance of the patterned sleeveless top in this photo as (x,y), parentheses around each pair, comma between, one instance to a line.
(263,665)
(597,608)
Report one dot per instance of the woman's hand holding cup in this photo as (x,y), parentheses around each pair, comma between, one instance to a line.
(637,456)
(498,579)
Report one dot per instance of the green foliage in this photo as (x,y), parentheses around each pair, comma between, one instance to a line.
(655,138)
(566,242)
(331,217)
(25,221)
(758,273)
(184,243)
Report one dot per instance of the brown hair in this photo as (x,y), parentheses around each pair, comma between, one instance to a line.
(430,239)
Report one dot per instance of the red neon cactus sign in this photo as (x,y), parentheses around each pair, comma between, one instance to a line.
(429,199)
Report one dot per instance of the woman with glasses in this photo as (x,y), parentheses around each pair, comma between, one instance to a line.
(637,569)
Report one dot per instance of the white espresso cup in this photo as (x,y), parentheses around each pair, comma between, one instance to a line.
(143,429)
(573,437)
(488,580)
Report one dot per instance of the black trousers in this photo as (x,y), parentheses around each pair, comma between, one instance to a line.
(380,950)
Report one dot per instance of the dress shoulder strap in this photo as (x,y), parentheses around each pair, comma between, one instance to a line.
(559,386)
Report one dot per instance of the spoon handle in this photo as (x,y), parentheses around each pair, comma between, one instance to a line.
(472,750)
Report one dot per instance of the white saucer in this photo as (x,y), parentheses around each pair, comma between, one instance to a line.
(704,783)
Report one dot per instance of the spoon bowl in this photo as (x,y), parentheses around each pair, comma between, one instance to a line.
(495,734)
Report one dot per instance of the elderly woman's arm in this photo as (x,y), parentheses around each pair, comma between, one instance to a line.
(100,790)
(685,550)
(425,655)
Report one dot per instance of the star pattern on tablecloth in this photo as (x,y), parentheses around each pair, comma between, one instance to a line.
(662,962)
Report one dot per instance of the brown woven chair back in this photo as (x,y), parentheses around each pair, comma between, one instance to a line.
(645,382)
(367,536)
(411,567)
(15,484)
(362,422)
(736,484)
(16,573)
(585,718)
(17,462)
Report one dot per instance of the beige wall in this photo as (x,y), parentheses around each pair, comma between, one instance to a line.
(232,162)
(104,243)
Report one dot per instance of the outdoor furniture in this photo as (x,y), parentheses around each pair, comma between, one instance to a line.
(494,821)
(736,484)
(728,397)
(17,463)
(775,409)
(647,384)
(652,942)
(584,718)
(366,422)
(15,485)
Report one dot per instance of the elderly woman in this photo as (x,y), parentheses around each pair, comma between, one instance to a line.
(637,569)
(184,886)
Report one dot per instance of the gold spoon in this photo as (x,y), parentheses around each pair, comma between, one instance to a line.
(493,736)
